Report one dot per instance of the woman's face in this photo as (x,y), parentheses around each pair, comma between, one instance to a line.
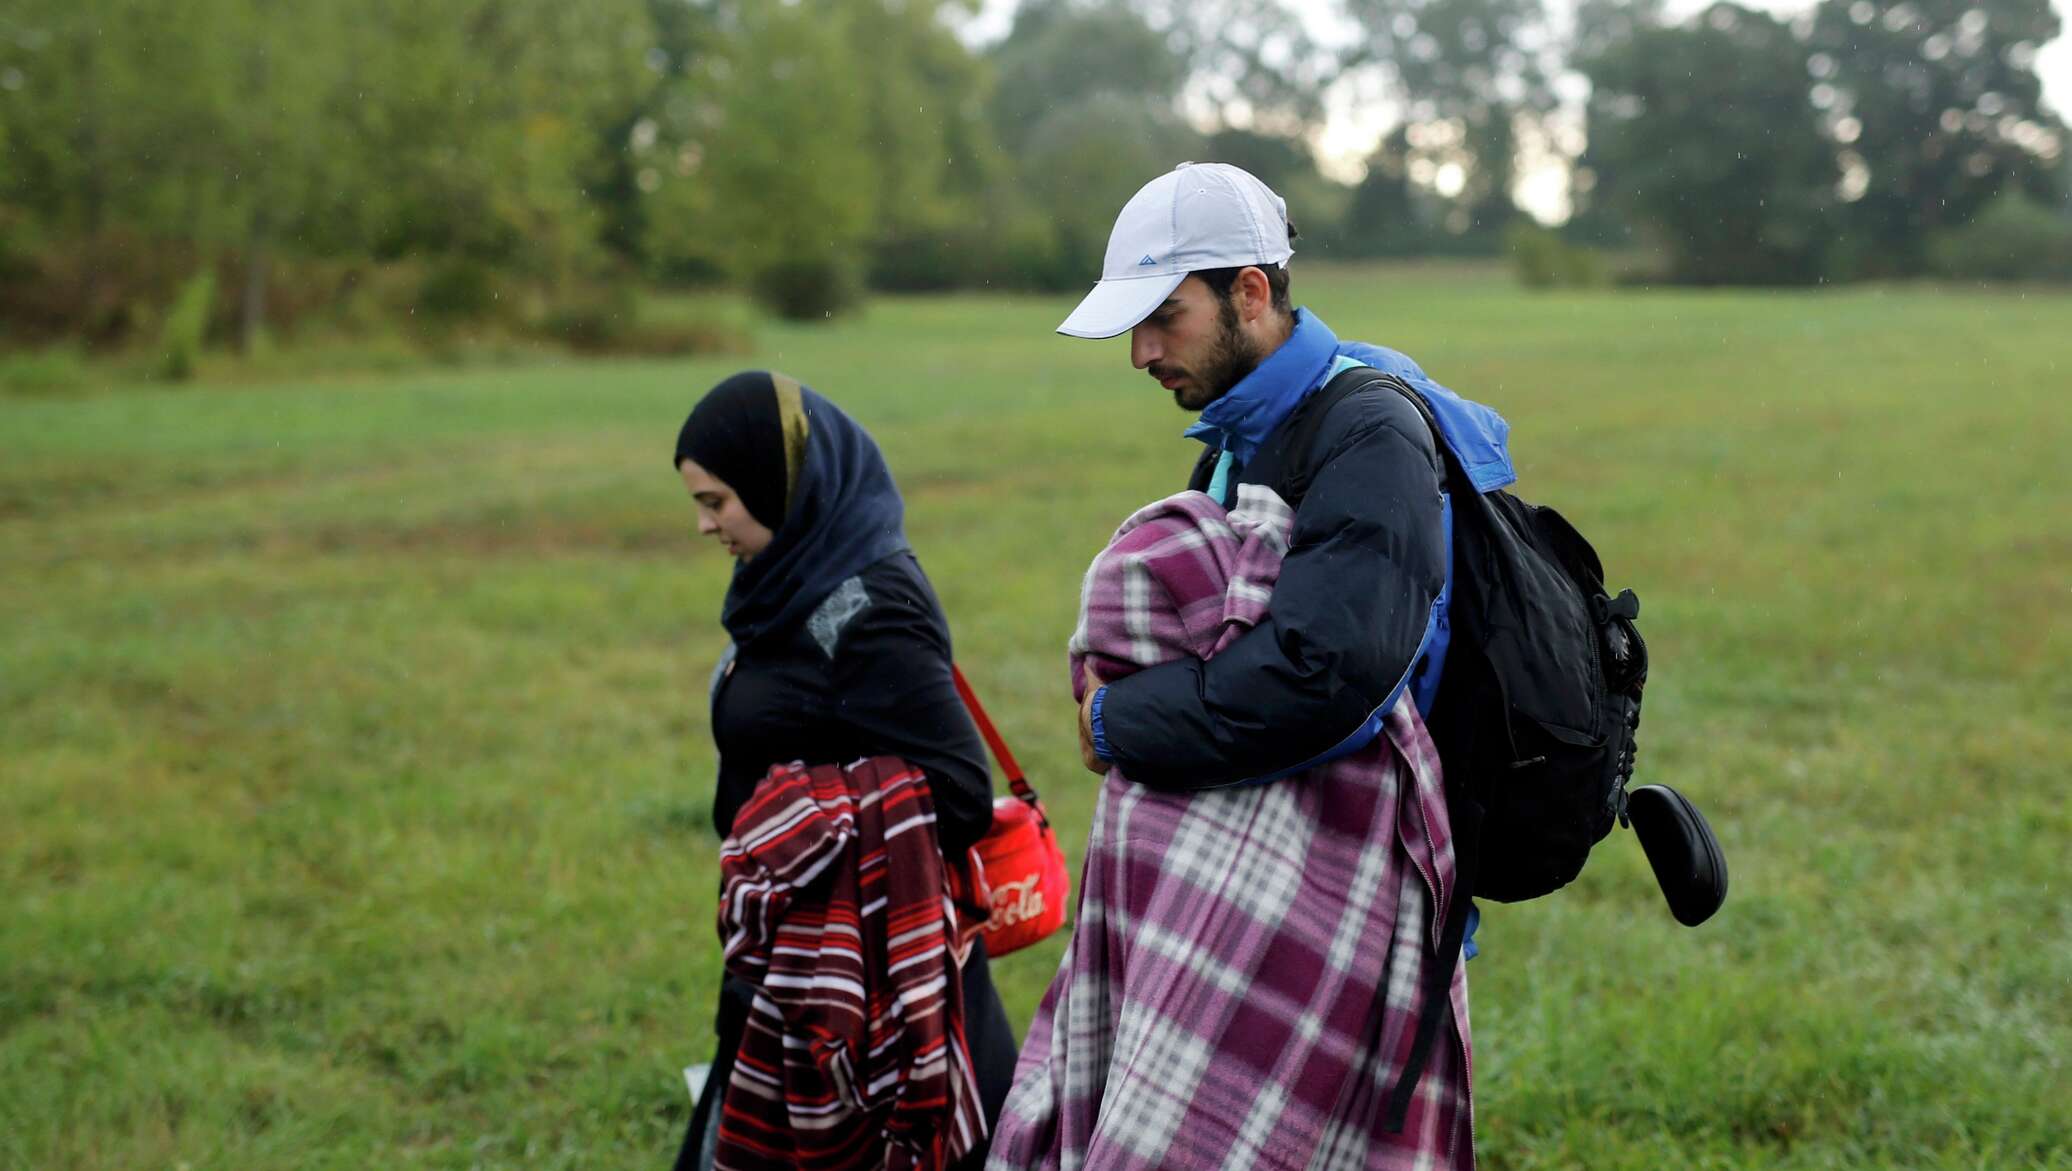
(721,513)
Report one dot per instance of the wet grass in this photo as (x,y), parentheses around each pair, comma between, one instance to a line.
(354,773)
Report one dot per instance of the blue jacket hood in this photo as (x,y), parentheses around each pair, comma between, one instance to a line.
(1240,421)
(1479,436)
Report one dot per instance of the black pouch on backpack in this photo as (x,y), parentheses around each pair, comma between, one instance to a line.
(1688,863)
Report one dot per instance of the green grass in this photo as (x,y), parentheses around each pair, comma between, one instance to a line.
(354,771)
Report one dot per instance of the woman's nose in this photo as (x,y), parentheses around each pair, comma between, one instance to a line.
(708,524)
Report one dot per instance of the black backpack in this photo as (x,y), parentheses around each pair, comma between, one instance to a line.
(1538,702)
(1539,697)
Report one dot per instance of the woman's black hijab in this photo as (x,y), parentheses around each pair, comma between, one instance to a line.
(813,476)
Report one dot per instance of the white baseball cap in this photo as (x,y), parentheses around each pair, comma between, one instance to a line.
(1193,217)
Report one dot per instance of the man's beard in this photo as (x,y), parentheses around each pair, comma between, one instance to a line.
(1230,358)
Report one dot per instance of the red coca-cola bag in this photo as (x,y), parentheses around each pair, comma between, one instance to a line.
(1023,867)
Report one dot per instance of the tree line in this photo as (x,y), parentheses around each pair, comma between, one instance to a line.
(448,158)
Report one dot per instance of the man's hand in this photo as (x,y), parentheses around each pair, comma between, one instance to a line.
(1094,764)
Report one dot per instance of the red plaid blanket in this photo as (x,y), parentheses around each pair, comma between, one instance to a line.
(1244,982)
(836,903)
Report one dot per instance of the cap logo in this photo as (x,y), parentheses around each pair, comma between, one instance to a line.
(1147,260)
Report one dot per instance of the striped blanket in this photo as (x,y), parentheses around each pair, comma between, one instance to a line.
(836,904)
(1249,962)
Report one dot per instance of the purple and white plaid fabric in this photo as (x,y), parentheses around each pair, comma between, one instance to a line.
(1245,977)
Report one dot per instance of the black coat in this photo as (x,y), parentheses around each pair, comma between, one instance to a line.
(868,676)
(878,685)
(1350,611)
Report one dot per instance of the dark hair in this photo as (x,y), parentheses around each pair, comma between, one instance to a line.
(1222,280)
(1277,278)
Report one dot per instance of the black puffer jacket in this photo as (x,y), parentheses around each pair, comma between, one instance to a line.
(1367,560)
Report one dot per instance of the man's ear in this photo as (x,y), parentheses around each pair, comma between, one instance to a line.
(1255,295)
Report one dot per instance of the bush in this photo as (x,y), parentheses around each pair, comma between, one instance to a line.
(186,327)
(457,290)
(57,368)
(1027,254)
(1003,250)
(590,317)
(101,290)
(2013,238)
(606,320)
(1542,260)
(676,339)
(923,262)
(807,290)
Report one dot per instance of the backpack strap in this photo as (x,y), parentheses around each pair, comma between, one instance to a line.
(1463,821)
(1289,458)
(1288,461)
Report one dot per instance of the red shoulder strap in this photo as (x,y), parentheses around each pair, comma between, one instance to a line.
(1008,765)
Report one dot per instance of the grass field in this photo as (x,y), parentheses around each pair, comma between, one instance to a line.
(355,779)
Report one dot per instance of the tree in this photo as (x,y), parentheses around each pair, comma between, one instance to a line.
(1937,107)
(1476,67)
(1084,162)
(777,155)
(1252,64)
(254,134)
(1710,139)
(481,117)
(1600,27)
(794,188)
(1384,217)
(1086,107)
(934,149)
(633,156)
(189,128)
(1059,54)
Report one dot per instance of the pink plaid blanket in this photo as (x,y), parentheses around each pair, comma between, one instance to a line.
(1245,978)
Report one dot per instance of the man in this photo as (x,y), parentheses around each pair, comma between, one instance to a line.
(1196,273)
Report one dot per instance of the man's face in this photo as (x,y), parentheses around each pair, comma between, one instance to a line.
(1193,345)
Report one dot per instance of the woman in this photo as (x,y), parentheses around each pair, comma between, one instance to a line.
(1249,964)
(840,652)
